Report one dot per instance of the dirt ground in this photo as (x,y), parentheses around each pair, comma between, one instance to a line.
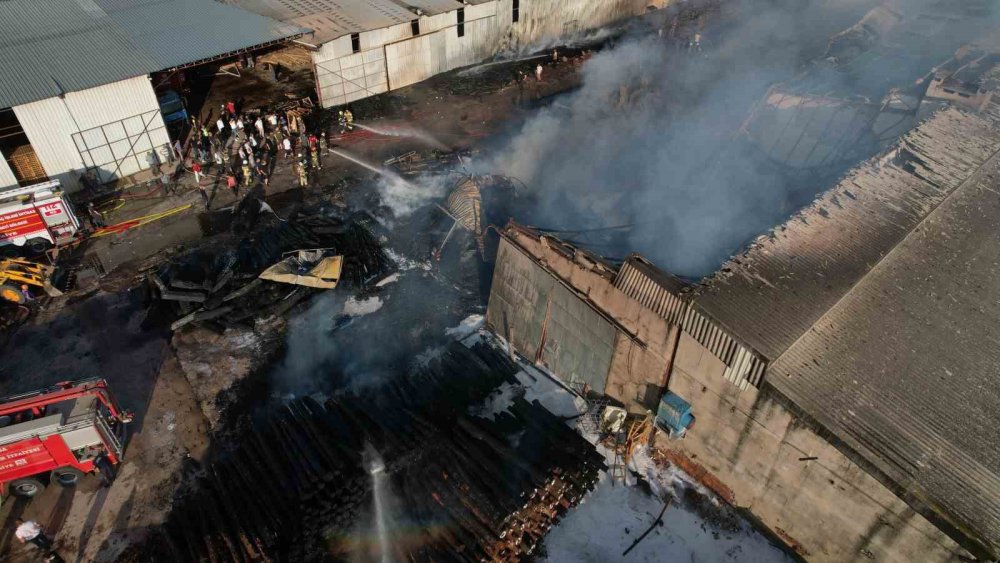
(105,331)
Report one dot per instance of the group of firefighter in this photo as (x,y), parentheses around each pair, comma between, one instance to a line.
(244,146)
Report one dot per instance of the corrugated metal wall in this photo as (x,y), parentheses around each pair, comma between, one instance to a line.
(529,307)
(7,178)
(102,126)
(649,293)
(343,76)
(743,367)
(413,60)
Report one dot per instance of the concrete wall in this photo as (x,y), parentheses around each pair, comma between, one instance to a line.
(102,127)
(745,444)
(827,507)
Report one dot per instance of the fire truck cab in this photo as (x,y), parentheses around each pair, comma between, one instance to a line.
(35,218)
(59,434)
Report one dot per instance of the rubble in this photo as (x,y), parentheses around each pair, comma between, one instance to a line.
(474,489)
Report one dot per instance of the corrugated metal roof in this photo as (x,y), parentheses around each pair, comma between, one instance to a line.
(651,287)
(878,305)
(786,280)
(330,19)
(178,32)
(54,46)
(905,367)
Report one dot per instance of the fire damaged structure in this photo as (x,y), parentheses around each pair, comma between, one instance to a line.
(839,369)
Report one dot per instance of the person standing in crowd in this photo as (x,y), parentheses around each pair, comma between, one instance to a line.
(314,153)
(247,174)
(259,126)
(303,141)
(31,532)
(232,184)
(322,142)
(167,182)
(538,72)
(216,150)
(96,217)
(261,171)
(286,144)
(303,174)
(196,168)
(203,192)
(231,107)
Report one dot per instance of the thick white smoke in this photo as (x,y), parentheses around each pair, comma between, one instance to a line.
(648,140)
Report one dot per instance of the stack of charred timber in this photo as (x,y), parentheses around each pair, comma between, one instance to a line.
(221,287)
(462,488)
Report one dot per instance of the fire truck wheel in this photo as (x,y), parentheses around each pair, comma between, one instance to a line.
(27,487)
(38,245)
(11,293)
(67,476)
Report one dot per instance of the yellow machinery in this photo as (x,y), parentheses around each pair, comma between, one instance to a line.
(15,273)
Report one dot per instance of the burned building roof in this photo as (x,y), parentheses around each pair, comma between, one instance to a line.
(875,309)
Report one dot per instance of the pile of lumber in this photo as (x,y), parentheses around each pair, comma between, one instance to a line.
(468,489)
(221,287)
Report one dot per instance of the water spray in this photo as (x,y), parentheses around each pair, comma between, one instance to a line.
(406,132)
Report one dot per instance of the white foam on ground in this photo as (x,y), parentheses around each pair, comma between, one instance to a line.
(469,325)
(388,280)
(498,401)
(611,517)
(359,307)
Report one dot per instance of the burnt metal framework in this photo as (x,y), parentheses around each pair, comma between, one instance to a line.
(105,149)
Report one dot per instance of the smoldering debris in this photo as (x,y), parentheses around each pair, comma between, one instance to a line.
(651,139)
(221,287)
(463,488)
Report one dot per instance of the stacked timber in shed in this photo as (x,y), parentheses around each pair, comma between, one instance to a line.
(462,488)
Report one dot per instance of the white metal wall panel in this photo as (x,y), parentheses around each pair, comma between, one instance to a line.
(420,58)
(7,177)
(344,76)
(106,119)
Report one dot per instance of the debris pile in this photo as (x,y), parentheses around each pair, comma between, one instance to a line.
(467,488)
(223,287)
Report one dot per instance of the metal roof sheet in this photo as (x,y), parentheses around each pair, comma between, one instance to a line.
(786,280)
(50,47)
(878,307)
(178,32)
(330,19)
(905,366)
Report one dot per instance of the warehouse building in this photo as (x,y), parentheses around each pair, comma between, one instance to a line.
(76,94)
(841,371)
(366,47)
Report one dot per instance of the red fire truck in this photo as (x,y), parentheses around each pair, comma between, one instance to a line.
(59,434)
(36,217)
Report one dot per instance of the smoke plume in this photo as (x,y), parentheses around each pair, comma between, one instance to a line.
(651,138)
